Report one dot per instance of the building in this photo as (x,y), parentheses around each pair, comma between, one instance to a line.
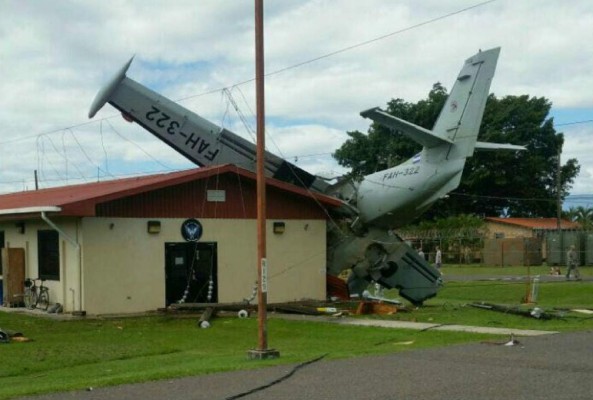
(524,241)
(117,246)
(500,228)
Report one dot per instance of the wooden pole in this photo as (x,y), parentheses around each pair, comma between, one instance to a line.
(262,351)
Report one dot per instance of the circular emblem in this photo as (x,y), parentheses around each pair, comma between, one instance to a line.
(453,106)
(191,230)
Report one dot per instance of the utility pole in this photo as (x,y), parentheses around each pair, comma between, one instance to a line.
(261,352)
(559,203)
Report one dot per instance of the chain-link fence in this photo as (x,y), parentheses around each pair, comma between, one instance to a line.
(473,246)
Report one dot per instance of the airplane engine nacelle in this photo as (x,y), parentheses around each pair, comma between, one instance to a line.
(385,258)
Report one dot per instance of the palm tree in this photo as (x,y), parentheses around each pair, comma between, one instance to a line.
(584,216)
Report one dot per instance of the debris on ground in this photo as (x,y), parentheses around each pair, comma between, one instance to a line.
(582,310)
(369,307)
(364,306)
(6,336)
(511,342)
(204,321)
(367,296)
(535,312)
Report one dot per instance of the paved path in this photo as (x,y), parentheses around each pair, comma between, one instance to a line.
(544,367)
(511,278)
(420,326)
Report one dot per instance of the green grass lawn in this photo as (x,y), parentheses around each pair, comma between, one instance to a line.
(67,355)
(451,306)
(76,354)
(478,269)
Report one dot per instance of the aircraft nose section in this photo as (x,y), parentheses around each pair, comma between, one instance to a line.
(415,278)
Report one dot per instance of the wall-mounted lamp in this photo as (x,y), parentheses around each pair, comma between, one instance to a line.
(279,228)
(20,227)
(153,227)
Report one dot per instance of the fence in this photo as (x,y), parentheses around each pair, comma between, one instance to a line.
(550,248)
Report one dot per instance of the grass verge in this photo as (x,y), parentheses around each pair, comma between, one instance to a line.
(77,354)
(69,355)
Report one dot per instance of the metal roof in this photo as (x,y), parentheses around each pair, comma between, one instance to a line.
(81,199)
(536,223)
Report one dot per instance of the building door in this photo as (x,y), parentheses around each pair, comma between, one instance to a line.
(13,277)
(191,272)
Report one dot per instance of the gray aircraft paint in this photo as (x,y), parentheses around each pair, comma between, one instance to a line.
(362,239)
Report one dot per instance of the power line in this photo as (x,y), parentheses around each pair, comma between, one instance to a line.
(587,121)
(327,55)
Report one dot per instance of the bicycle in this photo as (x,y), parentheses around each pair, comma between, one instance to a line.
(36,296)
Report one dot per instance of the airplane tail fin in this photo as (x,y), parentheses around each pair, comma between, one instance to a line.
(454,136)
(455,132)
(461,116)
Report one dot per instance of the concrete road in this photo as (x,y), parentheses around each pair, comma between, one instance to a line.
(545,367)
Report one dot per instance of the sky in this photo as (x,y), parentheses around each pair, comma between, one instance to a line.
(325,60)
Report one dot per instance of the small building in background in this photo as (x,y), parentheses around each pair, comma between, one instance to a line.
(527,241)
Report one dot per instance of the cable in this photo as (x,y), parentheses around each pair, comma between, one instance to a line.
(138,146)
(575,122)
(327,55)
(277,381)
(352,47)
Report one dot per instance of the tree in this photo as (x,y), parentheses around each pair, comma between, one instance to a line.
(582,215)
(382,148)
(493,183)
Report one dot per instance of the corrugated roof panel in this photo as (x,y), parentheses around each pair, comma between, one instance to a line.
(110,196)
(536,223)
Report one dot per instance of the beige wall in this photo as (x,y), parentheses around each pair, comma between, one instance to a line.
(509,231)
(66,291)
(124,266)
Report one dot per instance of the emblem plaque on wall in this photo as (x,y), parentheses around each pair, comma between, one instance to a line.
(191,230)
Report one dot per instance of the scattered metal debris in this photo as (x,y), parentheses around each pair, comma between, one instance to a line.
(368,305)
(367,295)
(582,310)
(535,312)
(511,342)
(204,321)
(6,336)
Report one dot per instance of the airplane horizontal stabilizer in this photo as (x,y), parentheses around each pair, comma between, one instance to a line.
(417,133)
(485,146)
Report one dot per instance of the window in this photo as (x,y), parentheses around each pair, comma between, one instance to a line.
(48,255)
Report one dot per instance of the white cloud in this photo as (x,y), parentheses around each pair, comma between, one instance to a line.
(55,56)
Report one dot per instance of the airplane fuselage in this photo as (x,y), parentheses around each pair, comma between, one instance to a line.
(396,196)
(360,237)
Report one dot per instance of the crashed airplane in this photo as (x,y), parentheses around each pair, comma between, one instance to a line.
(360,235)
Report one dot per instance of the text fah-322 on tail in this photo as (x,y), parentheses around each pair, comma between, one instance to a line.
(360,234)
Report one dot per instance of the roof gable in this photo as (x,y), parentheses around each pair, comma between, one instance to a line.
(535,223)
(82,199)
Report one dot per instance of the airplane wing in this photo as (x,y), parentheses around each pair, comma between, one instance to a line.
(417,133)
(196,138)
(485,146)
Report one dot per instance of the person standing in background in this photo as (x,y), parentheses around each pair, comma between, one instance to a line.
(438,258)
(572,263)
